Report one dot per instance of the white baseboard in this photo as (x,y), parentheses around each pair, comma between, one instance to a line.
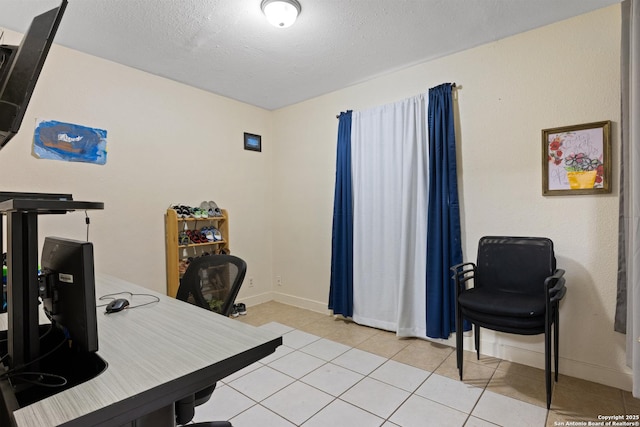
(574,368)
(308,304)
(257,299)
(286,299)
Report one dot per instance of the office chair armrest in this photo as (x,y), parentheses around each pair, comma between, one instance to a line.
(462,273)
(551,282)
(560,294)
(462,264)
(556,274)
(185,409)
(555,286)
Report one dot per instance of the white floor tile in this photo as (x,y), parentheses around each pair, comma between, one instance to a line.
(261,383)
(297,339)
(225,403)
(297,402)
(242,372)
(276,327)
(375,396)
(339,413)
(283,350)
(332,379)
(420,412)
(325,349)
(455,394)
(506,411)
(400,375)
(297,364)
(342,386)
(477,422)
(360,361)
(259,416)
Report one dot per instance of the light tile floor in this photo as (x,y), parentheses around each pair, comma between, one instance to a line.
(333,373)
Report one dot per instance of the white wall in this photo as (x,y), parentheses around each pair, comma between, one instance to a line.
(167,143)
(562,74)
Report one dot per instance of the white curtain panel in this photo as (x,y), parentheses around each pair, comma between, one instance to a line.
(631,158)
(389,149)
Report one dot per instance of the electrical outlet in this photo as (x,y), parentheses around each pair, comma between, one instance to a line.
(251,282)
(279,280)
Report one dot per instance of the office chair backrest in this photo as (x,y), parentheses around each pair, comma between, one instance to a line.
(213,282)
(514,264)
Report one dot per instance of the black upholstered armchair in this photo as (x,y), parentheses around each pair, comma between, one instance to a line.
(516,289)
(211,282)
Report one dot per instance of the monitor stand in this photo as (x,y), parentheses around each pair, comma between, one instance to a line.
(22,266)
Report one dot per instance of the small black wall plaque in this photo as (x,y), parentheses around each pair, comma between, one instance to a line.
(252,142)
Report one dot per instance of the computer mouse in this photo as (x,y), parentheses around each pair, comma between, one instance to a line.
(117,305)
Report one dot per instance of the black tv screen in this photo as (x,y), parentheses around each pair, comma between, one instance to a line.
(68,292)
(20,68)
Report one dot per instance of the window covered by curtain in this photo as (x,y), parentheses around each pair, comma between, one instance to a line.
(390,178)
(405,229)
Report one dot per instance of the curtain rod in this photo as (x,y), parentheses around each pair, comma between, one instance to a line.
(453,85)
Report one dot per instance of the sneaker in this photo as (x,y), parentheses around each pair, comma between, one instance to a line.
(183,238)
(234,311)
(216,212)
(240,308)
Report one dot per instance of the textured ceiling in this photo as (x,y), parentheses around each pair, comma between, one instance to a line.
(228,47)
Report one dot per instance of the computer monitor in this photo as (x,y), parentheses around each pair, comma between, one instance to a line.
(67,290)
(20,67)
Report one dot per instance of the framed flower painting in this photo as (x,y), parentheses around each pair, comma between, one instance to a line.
(576,159)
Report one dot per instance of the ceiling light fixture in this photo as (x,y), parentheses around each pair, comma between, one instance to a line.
(281,13)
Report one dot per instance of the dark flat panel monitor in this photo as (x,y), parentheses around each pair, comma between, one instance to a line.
(68,291)
(21,67)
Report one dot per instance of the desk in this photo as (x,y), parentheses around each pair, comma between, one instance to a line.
(156,354)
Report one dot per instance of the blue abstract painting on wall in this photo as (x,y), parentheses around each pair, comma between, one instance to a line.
(68,142)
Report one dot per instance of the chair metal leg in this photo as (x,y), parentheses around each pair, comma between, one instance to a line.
(556,340)
(476,335)
(547,361)
(459,334)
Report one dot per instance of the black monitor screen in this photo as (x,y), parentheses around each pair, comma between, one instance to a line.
(20,68)
(68,290)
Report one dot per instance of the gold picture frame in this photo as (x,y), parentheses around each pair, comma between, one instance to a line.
(577,159)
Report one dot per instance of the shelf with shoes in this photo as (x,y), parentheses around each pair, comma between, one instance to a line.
(188,237)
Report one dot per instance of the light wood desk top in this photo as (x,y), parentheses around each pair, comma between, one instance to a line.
(156,354)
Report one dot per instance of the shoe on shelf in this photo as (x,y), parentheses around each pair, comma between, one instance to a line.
(215,209)
(240,308)
(208,232)
(180,211)
(183,238)
(204,207)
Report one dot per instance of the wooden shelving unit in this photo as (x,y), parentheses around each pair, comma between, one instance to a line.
(178,254)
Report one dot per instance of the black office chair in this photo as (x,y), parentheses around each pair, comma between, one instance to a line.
(516,289)
(211,282)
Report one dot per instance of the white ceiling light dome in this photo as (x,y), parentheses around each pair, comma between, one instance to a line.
(281,13)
